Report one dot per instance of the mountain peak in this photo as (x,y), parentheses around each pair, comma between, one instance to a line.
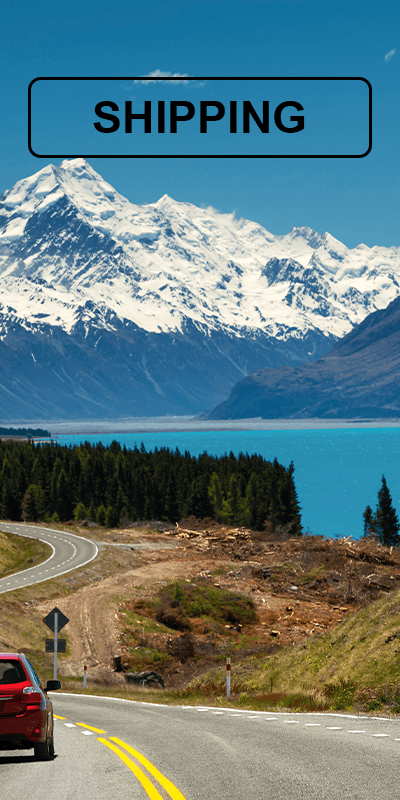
(165,202)
(161,263)
(86,276)
(75,164)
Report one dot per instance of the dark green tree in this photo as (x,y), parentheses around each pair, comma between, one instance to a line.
(215,494)
(80,512)
(111,519)
(63,502)
(253,502)
(234,497)
(34,503)
(387,521)
(369,523)
(101,514)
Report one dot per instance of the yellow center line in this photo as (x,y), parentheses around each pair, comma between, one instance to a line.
(146,783)
(57,717)
(96,730)
(172,790)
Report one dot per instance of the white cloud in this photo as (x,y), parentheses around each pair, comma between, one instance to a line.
(389,55)
(158,73)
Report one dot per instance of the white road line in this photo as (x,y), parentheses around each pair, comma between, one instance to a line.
(69,725)
(355,731)
(380,735)
(334,728)
(313,725)
(218,712)
(87,733)
(292,721)
(271,719)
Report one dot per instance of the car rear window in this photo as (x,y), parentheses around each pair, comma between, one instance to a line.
(11,672)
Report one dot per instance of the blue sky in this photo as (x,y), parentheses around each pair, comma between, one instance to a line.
(356,200)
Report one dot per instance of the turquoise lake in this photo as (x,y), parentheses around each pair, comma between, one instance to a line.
(337,472)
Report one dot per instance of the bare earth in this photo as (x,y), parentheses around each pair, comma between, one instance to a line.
(299,587)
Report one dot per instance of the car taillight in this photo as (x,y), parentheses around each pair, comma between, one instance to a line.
(31,695)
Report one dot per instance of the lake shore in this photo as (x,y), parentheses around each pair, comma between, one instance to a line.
(187,423)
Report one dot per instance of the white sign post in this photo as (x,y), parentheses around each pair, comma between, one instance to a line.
(228,678)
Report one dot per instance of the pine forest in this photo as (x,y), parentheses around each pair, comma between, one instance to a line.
(107,485)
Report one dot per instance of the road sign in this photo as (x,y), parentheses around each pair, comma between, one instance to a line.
(49,620)
(60,645)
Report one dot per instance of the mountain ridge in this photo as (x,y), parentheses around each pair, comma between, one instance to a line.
(360,377)
(175,302)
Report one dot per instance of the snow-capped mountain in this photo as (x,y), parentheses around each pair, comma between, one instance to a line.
(110,308)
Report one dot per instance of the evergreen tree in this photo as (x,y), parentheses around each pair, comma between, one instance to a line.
(101,514)
(234,497)
(252,498)
(34,503)
(387,521)
(63,496)
(290,502)
(215,494)
(369,523)
(80,512)
(111,519)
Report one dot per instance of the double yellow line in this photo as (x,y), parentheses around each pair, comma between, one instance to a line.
(151,790)
(148,786)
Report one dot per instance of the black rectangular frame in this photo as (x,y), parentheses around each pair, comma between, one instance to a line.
(170,78)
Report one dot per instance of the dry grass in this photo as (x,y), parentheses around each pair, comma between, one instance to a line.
(19,552)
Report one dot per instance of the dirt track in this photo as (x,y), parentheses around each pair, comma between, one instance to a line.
(300,587)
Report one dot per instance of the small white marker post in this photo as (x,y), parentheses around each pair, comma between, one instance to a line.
(55,644)
(228,678)
(85,675)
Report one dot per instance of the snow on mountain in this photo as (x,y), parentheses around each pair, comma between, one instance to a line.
(189,298)
(168,261)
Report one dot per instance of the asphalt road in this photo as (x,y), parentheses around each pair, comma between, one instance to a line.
(206,754)
(69,552)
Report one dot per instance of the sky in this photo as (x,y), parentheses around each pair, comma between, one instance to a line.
(355,199)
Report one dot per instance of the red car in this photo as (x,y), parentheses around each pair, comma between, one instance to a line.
(26,712)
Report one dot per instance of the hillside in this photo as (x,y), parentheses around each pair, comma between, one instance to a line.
(301,590)
(360,377)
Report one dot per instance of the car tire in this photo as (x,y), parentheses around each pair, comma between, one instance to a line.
(42,750)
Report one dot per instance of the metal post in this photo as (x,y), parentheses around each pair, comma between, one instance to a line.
(55,644)
(228,678)
(85,675)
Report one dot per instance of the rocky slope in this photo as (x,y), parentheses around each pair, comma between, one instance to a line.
(360,377)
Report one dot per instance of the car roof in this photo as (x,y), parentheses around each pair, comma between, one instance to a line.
(10,655)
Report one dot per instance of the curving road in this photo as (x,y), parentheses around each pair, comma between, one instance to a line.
(68,552)
(109,748)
